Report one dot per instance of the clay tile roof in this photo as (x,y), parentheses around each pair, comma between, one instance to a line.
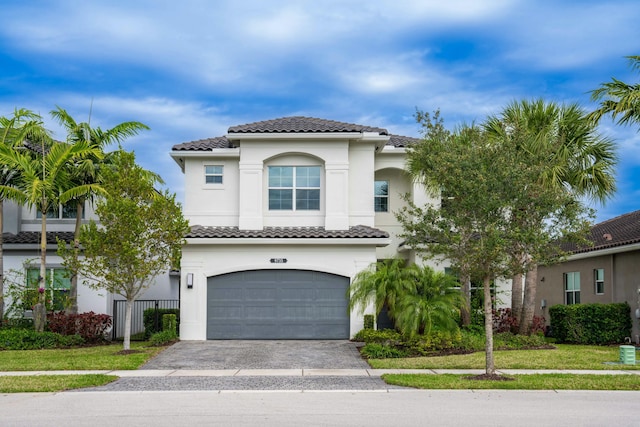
(33,237)
(356,232)
(297,124)
(401,141)
(203,144)
(618,231)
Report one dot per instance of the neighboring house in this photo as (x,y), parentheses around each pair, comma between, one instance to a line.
(284,213)
(607,272)
(21,257)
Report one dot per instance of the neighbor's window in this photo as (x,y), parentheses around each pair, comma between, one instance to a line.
(66,211)
(57,285)
(598,280)
(213,174)
(381,196)
(572,287)
(294,188)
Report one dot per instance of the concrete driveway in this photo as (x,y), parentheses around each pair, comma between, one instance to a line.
(241,354)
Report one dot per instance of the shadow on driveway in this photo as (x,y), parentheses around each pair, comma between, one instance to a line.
(242,354)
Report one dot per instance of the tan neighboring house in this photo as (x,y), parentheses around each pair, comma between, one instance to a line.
(607,272)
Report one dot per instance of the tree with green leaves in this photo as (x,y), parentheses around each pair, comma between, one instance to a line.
(15,130)
(44,183)
(417,299)
(140,230)
(86,170)
(578,160)
(619,99)
(485,182)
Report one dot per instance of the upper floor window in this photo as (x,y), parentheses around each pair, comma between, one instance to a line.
(294,188)
(572,287)
(213,174)
(598,281)
(66,211)
(381,196)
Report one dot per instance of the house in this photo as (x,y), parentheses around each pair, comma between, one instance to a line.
(284,213)
(21,259)
(607,272)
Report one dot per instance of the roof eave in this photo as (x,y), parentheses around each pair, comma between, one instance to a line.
(378,242)
(606,251)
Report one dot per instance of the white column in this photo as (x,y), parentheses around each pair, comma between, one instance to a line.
(250,217)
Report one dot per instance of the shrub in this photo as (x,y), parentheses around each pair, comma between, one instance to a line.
(90,326)
(597,324)
(163,338)
(504,321)
(387,336)
(509,341)
(152,318)
(437,340)
(169,322)
(25,339)
(368,321)
(380,351)
(16,323)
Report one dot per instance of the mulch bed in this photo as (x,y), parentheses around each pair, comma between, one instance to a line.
(489,377)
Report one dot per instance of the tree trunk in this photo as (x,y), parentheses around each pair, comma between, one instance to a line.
(488,326)
(516,296)
(40,317)
(73,289)
(127,325)
(465,313)
(1,262)
(528,306)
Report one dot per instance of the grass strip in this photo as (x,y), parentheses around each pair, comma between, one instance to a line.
(52,383)
(102,357)
(565,356)
(520,382)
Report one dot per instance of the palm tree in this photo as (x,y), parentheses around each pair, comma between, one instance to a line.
(619,99)
(44,183)
(434,302)
(581,161)
(381,284)
(15,131)
(86,170)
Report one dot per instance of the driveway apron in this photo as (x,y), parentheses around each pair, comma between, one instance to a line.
(241,354)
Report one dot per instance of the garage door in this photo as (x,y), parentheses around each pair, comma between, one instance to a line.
(277,304)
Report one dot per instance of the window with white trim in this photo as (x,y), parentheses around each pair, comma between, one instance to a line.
(381,196)
(213,174)
(294,188)
(56,286)
(66,211)
(598,281)
(572,288)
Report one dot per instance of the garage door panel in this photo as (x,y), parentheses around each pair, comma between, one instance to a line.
(277,304)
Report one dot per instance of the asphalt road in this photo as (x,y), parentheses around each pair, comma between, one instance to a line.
(322,408)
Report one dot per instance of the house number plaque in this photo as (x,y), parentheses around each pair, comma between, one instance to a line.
(278,260)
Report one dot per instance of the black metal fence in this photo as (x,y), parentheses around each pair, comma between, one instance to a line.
(137,322)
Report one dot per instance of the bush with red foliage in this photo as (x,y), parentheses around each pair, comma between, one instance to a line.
(504,321)
(90,326)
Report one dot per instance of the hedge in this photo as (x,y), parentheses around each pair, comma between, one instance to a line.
(597,324)
(152,318)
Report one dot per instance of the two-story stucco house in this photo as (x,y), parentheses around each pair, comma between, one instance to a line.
(284,213)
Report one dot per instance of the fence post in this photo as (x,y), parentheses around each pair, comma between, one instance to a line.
(157,320)
(114,323)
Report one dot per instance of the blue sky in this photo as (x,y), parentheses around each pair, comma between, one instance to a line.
(191,69)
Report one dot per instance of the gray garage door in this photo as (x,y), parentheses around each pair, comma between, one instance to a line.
(277,304)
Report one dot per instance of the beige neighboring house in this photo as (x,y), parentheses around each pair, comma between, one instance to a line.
(607,272)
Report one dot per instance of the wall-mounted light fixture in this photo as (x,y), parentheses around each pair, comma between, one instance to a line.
(542,280)
(189,280)
(543,304)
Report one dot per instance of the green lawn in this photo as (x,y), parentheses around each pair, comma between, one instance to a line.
(104,357)
(565,356)
(51,383)
(520,382)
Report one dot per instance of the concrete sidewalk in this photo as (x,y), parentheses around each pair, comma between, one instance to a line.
(308,372)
